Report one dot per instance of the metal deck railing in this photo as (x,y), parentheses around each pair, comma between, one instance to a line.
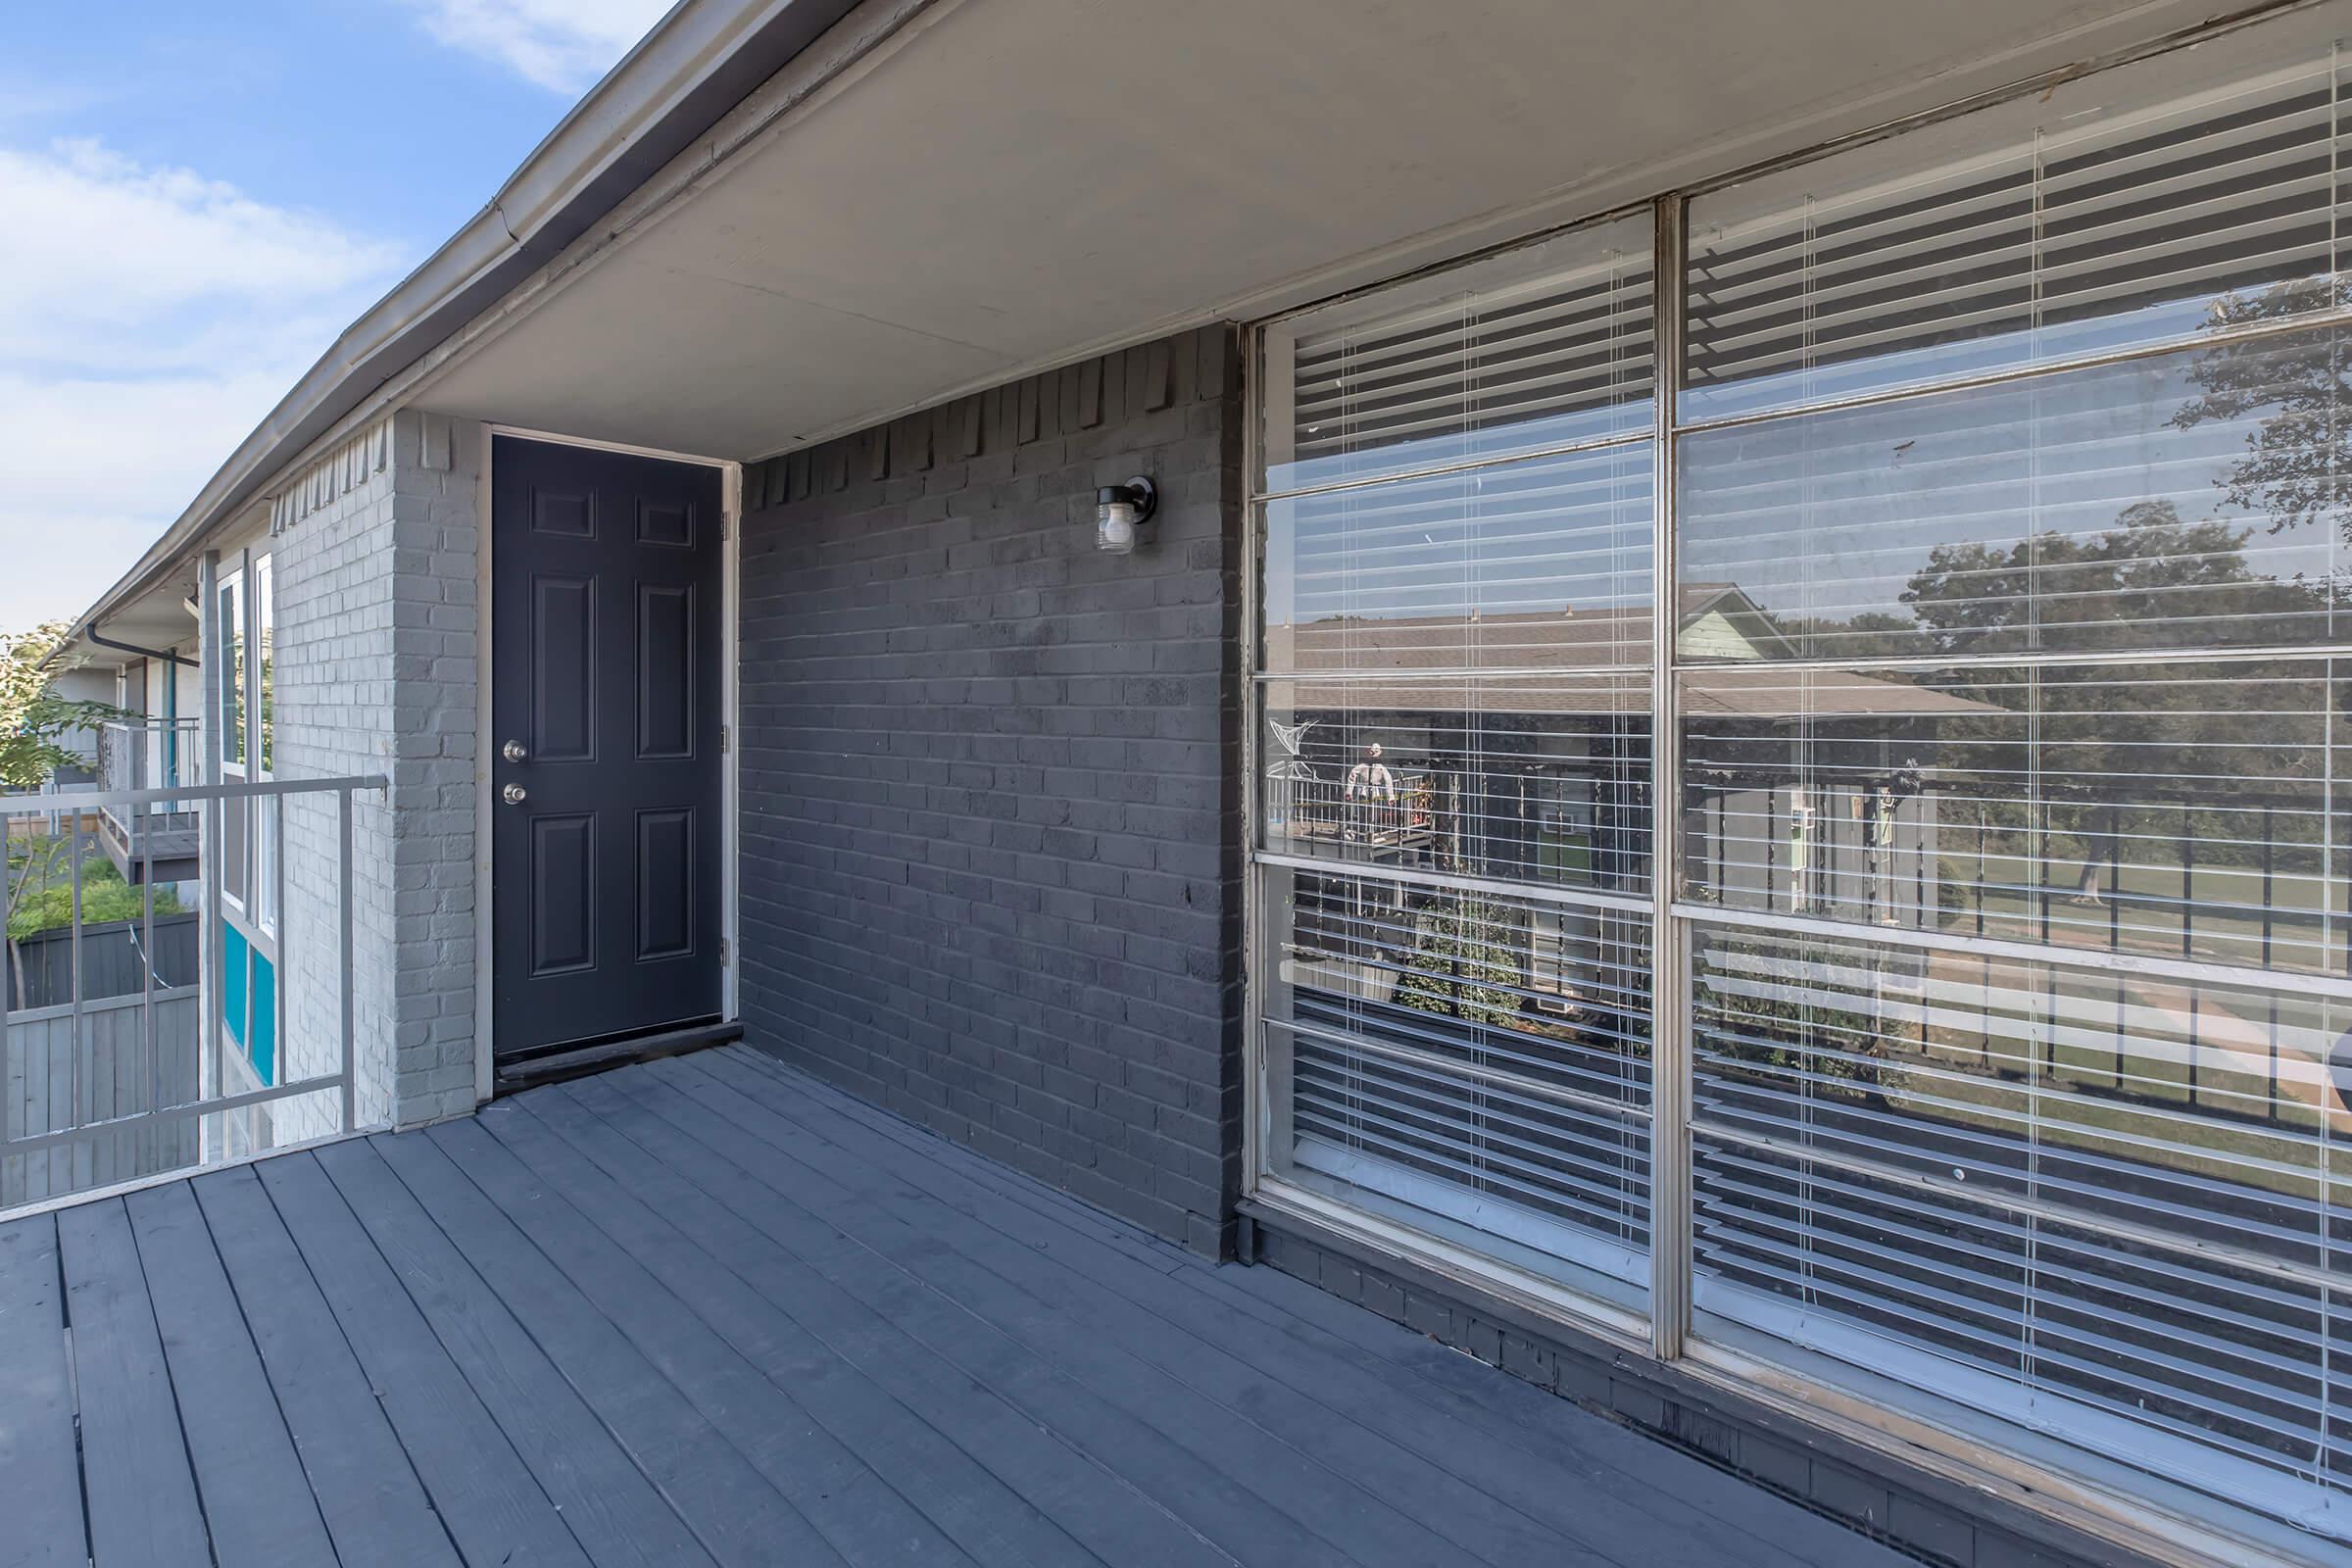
(130,1078)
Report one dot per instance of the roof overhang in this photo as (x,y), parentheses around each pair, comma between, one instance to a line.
(739,243)
(700,62)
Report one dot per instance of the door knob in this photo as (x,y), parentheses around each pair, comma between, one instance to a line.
(514,751)
(515,794)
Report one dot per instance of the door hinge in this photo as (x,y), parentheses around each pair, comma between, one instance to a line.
(727,738)
(724,953)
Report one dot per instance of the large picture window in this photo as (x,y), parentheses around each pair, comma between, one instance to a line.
(2002,936)
(1455,727)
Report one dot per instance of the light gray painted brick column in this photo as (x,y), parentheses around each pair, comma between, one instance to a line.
(376,660)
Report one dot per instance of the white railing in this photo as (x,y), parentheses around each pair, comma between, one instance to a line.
(150,754)
(133,1072)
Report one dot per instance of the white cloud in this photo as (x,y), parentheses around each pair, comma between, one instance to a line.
(562,45)
(100,251)
(149,318)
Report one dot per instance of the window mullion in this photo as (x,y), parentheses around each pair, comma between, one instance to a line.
(1670,1163)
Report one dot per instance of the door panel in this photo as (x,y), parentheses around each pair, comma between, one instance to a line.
(563,893)
(666,708)
(562,669)
(605,671)
(665,891)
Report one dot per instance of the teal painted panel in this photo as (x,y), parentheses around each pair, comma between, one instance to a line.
(262,1048)
(236,966)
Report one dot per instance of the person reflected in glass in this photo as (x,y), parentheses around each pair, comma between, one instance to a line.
(1371,796)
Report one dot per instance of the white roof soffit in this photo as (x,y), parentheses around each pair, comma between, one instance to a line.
(1011,185)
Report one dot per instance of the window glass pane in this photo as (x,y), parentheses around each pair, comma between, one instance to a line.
(2124,208)
(232,670)
(268,817)
(1542,346)
(1478,1058)
(1533,781)
(237,839)
(2191,500)
(1454,737)
(264,608)
(2183,808)
(1998,1178)
(1541,564)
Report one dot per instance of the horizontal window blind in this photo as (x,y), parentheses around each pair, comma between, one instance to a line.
(1524,781)
(2193,500)
(2183,809)
(2093,1190)
(2037,235)
(1505,368)
(1529,561)
(1548,345)
(1468,1040)
(2099,1185)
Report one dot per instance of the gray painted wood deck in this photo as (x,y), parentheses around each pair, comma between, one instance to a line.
(706,1311)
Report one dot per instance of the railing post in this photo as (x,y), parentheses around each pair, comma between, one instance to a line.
(343,883)
(73,1040)
(210,840)
(8,983)
(150,1038)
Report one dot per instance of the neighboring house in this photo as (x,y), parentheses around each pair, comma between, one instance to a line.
(83,685)
(80,774)
(696,564)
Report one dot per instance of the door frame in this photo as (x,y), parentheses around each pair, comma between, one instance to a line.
(485,746)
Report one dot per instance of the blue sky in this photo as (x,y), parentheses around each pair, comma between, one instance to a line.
(199,198)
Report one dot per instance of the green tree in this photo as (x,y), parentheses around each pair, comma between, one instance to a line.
(33,719)
(2298,458)
(1464,963)
(2129,586)
(34,723)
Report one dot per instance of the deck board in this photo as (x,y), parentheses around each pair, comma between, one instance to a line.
(259,1505)
(708,1312)
(494,1509)
(613,1508)
(375,1508)
(1108,1514)
(739,1518)
(1449,1422)
(1498,1500)
(141,1491)
(1353,1488)
(954,1496)
(40,1477)
(1210,1500)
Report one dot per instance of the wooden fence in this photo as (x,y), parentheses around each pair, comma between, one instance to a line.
(111,962)
(119,1076)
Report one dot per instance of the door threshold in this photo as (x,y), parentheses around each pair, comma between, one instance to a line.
(558,1065)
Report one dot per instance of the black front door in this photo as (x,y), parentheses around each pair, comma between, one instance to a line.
(606,782)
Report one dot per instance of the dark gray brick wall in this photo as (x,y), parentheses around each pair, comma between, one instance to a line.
(991,829)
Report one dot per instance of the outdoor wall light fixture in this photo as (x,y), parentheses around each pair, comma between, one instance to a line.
(1121,511)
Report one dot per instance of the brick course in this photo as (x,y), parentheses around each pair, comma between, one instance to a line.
(375,673)
(990,832)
